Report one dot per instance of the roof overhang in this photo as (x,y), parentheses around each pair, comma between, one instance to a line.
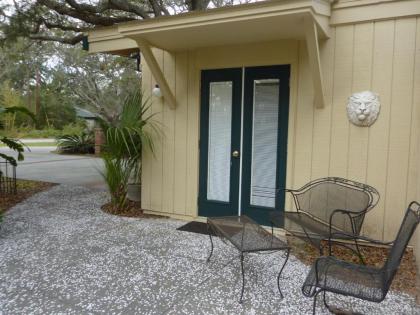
(240,24)
(255,22)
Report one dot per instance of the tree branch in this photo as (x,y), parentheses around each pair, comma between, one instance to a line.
(88,17)
(64,27)
(64,40)
(103,6)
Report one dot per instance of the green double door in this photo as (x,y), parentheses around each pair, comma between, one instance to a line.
(243,141)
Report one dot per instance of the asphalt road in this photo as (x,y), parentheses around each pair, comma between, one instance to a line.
(42,164)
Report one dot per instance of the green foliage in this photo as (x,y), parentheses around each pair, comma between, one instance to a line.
(60,77)
(132,131)
(13,144)
(126,138)
(76,128)
(76,144)
(29,132)
(10,98)
(55,111)
(96,82)
(116,174)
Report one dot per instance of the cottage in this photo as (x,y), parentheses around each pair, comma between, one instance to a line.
(267,95)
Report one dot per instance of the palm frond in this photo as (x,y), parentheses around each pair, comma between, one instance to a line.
(83,143)
(17,109)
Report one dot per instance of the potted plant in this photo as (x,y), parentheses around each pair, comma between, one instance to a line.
(126,138)
(134,183)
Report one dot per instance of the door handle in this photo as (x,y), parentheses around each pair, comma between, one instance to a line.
(235,154)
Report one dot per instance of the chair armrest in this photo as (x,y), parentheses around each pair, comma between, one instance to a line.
(348,212)
(286,190)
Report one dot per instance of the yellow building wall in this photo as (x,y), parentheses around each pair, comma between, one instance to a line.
(381,56)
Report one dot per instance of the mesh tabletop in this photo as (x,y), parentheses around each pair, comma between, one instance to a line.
(245,234)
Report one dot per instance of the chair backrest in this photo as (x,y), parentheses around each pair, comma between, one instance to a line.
(406,231)
(322,196)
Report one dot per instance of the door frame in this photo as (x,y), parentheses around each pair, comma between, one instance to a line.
(242,93)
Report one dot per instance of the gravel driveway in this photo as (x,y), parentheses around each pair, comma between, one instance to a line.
(59,253)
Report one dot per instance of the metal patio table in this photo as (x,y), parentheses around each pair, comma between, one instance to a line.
(248,237)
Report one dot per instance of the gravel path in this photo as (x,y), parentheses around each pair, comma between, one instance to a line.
(60,254)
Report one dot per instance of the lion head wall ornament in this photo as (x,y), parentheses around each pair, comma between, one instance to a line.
(363,108)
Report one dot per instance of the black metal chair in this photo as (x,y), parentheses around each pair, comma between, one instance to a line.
(329,274)
(326,206)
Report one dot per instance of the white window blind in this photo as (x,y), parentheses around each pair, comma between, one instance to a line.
(264,142)
(220,126)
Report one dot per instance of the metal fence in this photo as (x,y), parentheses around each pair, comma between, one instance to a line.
(7,178)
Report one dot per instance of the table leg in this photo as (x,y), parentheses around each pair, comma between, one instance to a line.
(211,241)
(243,277)
(281,270)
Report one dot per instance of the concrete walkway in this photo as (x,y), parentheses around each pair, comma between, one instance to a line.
(43,165)
(60,254)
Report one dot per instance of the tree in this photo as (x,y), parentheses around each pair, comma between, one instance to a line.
(97,82)
(65,21)
(61,75)
(9,98)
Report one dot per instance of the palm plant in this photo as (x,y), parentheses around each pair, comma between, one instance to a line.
(126,138)
(77,143)
(117,173)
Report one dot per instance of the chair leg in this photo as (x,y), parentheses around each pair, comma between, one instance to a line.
(211,241)
(281,270)
(314,305)
(324,298)
(243,277)
(359,253)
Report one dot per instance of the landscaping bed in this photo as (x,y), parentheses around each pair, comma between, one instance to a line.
(25,189)
(133,210)
(404,281)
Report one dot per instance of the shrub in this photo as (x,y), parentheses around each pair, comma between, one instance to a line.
(76,144)
(116,174)
(36,133)
(77,128)
(125,140)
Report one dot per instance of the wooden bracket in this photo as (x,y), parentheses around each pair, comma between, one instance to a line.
(157,72)
(311,36)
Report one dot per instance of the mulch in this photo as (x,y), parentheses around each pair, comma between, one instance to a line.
(404,281)
(133,210)
(25,189)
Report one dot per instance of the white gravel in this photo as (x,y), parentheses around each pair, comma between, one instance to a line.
(60,254)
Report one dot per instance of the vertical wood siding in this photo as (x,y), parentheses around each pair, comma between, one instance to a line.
(414,180)
(380,56)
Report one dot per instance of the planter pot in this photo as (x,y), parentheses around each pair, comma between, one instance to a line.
(134,192)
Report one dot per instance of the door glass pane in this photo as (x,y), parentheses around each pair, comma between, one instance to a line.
(264,142)
(220,125)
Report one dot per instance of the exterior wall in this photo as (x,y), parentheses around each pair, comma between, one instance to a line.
(382,56)
(416,118)
(170,178)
